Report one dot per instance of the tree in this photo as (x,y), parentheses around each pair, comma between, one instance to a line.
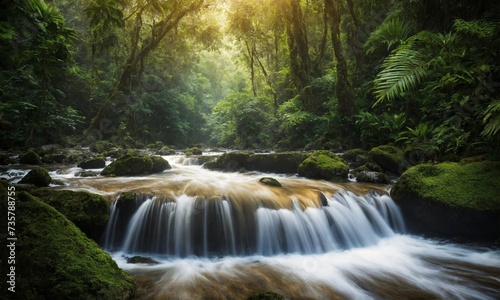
(150,23)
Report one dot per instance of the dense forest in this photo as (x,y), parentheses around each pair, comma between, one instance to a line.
(252,74)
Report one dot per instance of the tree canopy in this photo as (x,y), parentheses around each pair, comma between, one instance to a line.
(283,74)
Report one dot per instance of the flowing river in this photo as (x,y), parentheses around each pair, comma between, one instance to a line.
(216,235)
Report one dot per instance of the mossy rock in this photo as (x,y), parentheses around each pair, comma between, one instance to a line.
(55,260)
(390,158)
(30,158)
(230,161)
(165,150)
(52,158)
(266,296)
(89,212)
(6,159)
(451,199)
(370,167)
(270,181)
(352,154)
(193,151)
(130,165)
(101,146)
(282,162)
(373,177)
(93,163)
(141,260)
(323,164)
(38,176)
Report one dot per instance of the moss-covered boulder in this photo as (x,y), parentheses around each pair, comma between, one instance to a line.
(55,260)
(390,158)
(193,151)
(93,163)
(130,165)
(370,176)
(451,199)
(281,162)
(30,158)
(38,176)
(270,181)
(89,212)
(323,164)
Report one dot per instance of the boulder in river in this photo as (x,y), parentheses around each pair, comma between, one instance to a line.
(373,177)
(130,165)
(30,158)
(89,212)
(451,199)
(323,164)
(55,260)
(93,163)
(390,158)
(38,176)
(270,181)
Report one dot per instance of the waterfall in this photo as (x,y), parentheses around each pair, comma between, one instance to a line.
(185,226)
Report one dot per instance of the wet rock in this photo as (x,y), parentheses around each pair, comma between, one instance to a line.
(390,158)
(38,176)
(451,200)
(270,181)
(89,212)
(30,158)
(93,163)
(6,159)
(141,260)
(55,260)
(130,165)
(373,177)
(52,158)
(282,162)
(86,174)
(323,164)
(193,151)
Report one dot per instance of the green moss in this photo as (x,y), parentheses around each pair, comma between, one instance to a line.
(474,185)
(323,164)
(270,181)
(55,260)
(93,163)
(353,153)
(87,211)
(193,151)
(129,165)
(390,158)
(38,176)
(30,158)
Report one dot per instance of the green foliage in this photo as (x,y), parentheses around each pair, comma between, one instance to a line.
(391,33)
(492,119)
(379,129)
(243,121)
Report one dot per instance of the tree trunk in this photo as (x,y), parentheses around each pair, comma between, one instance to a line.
(343,86)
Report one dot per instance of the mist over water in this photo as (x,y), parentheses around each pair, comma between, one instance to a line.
(222,235)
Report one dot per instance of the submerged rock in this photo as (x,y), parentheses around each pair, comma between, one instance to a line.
(323,164)
(451,199)
(129,165)
(89,212)
(38,176)
(266,296)
(55,260)
(270,181)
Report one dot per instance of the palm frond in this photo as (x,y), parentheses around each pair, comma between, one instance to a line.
(492,119)
(402,70)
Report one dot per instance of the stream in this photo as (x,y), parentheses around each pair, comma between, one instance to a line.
(216,235)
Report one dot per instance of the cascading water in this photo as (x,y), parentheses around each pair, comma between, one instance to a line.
(218,235)
(195,226)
